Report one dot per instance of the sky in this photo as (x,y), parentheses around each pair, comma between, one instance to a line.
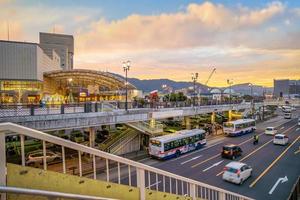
(247,41)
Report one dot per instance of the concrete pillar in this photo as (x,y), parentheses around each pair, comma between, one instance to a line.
(152,123)
(187,122)
(229,115)
(213,117)
(92,131)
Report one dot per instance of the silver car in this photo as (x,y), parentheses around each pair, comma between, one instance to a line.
(36,157)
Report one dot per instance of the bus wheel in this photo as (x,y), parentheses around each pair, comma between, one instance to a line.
(177,153)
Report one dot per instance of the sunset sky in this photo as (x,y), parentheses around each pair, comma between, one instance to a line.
(247,41)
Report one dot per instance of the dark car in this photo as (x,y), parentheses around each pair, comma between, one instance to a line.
(231,151)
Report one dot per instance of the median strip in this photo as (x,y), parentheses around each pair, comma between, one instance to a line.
(272,164)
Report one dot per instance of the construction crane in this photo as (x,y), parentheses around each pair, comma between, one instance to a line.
(213,71)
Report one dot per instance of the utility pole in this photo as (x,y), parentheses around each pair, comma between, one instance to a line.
(7,23)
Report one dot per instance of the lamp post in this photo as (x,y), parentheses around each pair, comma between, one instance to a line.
(70,90)
(229,82)
(126,67)
(252,102)
(194,78)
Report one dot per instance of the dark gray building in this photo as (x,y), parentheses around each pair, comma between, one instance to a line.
(286,88)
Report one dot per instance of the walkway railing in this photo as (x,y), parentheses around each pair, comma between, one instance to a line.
(145,127)
(48,194)
(88,107)
(118,169)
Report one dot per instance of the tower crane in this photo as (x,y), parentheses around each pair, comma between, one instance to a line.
(213,71)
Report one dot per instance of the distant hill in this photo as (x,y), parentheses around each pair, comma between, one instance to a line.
(156,84)
(149,85)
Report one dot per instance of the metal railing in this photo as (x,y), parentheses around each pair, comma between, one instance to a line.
(117,169)
(145,127)
(14,110)
(48,194)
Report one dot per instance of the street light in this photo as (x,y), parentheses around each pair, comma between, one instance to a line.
(194,78)
(126,67)
(229,82)
(252,99)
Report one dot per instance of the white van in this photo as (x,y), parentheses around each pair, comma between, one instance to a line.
(287,115)
(270,131)
(236,172)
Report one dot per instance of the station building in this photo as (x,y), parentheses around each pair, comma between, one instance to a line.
(34,72)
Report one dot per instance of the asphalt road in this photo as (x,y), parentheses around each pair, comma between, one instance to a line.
(197,165)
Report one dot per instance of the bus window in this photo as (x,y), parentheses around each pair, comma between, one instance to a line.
(228,125)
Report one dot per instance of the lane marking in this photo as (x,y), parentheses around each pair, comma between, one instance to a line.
(281,128)
(205,160)
(214,165)
(247,156)
(273,163)
(280,180)
(194,158)
(149,186)
(298,151)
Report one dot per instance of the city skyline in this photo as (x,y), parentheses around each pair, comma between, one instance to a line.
(247,42)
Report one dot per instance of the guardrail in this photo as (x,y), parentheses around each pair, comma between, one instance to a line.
(48,194)
(134,174)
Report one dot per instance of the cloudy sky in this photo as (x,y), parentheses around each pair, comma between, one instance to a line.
(247,41)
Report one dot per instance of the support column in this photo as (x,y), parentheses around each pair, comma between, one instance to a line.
(213,117)
(229,115)
(92,131)
(152,123)
(187,122)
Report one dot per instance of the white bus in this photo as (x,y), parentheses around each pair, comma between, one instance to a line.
(175,144)
(239,127)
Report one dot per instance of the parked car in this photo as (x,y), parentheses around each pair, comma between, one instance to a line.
(270,131)
(280,139)
(237,172)
(231,151)
(36,157)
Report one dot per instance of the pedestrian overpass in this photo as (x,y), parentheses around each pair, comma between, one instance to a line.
(110,177)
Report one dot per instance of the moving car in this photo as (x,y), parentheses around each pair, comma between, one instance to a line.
(237,172)
(299,121)
(36,157)
(287,115)
(231,151)
(280,139)
(270,131)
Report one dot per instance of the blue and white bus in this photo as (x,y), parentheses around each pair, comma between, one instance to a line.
(175,144)
(239,127)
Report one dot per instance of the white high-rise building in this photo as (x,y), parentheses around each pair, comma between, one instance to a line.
(62,44)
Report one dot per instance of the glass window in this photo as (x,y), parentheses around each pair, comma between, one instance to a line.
(155,143)
(228,125)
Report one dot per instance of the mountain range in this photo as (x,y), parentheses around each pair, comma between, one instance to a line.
(149,85)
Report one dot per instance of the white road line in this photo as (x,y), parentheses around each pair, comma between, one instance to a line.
(153,184)
(214,165)
(280,180)
(281,128)
(194,158)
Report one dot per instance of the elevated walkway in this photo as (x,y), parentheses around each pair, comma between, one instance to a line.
(111,177)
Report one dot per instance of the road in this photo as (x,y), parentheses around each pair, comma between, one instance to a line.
(206,165)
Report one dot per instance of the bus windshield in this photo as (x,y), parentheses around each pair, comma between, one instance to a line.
(155,143)
(228,125)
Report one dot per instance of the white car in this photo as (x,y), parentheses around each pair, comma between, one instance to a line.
(270,131)
(36,157)
(280,139)
(287,115)
(237,172)
(299,121)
